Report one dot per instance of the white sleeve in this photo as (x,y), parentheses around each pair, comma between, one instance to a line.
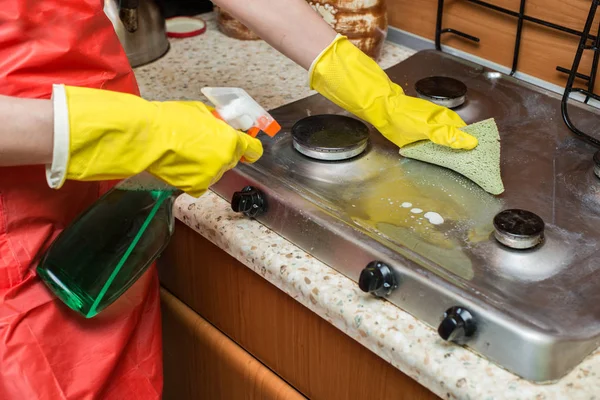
(57,171)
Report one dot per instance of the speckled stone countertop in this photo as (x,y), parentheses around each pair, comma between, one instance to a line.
(451,372)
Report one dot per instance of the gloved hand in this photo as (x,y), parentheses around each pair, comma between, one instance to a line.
(349,78)
(105,135)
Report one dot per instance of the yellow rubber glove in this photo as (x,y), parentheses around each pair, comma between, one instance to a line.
(114,136)
(352,80)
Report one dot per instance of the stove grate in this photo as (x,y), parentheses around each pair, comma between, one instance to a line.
(588,42)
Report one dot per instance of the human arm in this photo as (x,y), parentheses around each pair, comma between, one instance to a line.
(290,26)
(26,131)
(346,76)
(91,135)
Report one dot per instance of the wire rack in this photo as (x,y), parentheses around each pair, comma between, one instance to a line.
(587,43)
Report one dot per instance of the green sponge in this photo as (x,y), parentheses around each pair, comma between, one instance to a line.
(481,165)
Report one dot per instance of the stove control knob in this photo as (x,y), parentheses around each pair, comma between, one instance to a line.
(458,324)
(377,278)
(249,201)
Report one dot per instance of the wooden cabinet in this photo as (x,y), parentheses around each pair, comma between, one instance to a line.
(542,49)
(200,362)
(304,350)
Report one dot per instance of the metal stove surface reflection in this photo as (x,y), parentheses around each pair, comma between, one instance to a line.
(534,311)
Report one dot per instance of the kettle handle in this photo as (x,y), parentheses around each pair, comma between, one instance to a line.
(128,14)
(132,4)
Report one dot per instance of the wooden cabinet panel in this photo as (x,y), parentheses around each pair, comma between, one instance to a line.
(542,49)
(306,351)
(200,362)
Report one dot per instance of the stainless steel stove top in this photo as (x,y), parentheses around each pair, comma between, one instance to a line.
(534,312)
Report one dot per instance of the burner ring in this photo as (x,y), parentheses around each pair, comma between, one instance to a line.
(442,90)
(519,229)
(327,155)
(330,137)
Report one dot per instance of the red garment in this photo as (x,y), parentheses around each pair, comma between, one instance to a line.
(48,351)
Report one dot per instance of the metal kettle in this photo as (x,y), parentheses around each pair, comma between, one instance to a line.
(141,29)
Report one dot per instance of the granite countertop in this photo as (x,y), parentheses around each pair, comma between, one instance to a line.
(450,371)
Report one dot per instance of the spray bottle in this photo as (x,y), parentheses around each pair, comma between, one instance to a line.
(104,251)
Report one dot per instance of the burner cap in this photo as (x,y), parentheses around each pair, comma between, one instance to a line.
(330,137)
(519,229)
(442,90)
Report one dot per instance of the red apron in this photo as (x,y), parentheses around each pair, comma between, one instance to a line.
(48,351)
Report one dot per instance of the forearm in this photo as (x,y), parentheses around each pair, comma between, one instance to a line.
(290,26)
(26,131)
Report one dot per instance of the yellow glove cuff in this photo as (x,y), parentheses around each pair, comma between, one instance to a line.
(354,81)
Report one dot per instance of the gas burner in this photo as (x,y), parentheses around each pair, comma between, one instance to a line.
(330,137)
(597,163)
(519,229)
(442,90)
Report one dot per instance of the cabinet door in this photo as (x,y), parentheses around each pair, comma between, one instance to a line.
(316,358)
(202,363)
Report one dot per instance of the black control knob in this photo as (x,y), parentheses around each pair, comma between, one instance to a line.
(249,201)
(377,278)
(457,325)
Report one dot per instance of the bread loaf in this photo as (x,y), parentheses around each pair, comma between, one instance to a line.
(364,22)
(232,27)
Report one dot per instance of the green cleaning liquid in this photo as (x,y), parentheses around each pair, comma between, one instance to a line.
(105,250)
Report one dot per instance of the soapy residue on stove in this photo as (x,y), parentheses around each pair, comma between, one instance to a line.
(560,250)
(434,218)
(444,254)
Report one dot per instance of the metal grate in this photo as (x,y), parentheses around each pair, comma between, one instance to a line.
(588,42)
